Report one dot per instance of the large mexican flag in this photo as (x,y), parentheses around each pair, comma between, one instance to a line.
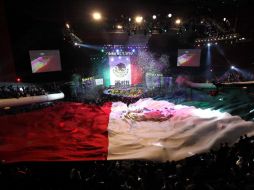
(147,129)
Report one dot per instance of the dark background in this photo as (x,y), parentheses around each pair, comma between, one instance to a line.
(39,25)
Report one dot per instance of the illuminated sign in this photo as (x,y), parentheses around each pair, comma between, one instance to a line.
(120,53)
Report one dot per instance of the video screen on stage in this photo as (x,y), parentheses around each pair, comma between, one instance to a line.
(45,61)
(188,57)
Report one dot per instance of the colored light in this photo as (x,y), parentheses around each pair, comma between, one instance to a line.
(18,79)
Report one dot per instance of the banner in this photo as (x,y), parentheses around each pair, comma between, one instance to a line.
(120,69)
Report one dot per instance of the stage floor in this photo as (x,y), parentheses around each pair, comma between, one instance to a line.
(147,129)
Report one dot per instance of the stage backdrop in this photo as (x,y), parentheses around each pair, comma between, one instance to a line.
(124,69)
(120,69)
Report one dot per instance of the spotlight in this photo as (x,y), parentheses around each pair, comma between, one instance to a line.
(169,15)
(67,25)
(133,50)
(97,16)
(18,79)
(224,19)
(233,67)
(129,19)
(119,27)
(209,44)
(178,21)
(154,17)
(75,43)
(138,19)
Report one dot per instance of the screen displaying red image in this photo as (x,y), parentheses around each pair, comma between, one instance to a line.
(188,57)
(45,61)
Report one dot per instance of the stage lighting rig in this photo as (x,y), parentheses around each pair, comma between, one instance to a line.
(232,38)
(70,36)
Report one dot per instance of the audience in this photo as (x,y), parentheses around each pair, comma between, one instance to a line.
(18,91)
(228,168)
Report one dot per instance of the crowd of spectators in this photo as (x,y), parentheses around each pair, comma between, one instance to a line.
(228,168)
(17,91)
(231,76)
